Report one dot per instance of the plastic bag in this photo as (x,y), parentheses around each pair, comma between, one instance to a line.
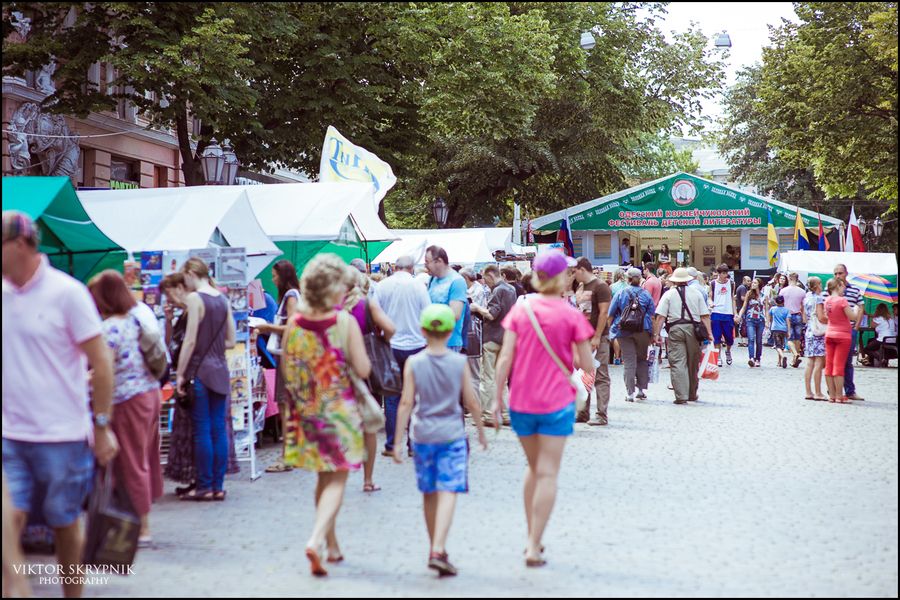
(653,359)
(709,363)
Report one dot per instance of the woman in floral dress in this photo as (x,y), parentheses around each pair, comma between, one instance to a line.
(323,425)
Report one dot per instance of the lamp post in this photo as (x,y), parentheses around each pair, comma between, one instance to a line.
(871,231)
(232,164)
(723,40)
(213,162)
(587,41)
(440,211)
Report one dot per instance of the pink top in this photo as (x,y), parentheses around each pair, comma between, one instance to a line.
(537,385)
(654,287)
(839,326)
(793,298)
(45,384)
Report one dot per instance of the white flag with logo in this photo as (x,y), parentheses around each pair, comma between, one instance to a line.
(342,160)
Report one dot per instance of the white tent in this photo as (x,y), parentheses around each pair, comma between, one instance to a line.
(811,261)
(316,211)
(183,218)
(463,246)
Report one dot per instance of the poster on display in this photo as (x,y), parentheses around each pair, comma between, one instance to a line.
(238,372)
(242,326)
(151,276)
(232,266)
(132,274)
(255,296)
(174,260)
(238,297)
(210,256)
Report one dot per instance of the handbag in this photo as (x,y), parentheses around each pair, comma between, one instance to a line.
(373,418)
(186,400)
(817,327)
(581,394)
(273,345)
(386,378)
(113,527)
(699,330)
(153,349)
(475,337)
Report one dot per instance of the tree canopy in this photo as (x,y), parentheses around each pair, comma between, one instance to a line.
(475,102)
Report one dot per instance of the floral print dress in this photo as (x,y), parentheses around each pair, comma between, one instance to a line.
(323,425)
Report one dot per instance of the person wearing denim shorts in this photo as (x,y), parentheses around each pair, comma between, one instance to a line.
(50,326)
(541,399)
(437,382)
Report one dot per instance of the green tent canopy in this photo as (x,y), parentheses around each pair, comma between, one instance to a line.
(68,236)
(680,201)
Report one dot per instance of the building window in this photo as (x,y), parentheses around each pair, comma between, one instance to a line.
(759,245)
(123,174)
(602,246)
(578,245)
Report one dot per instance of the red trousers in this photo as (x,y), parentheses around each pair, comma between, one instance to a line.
(136,425)
(836,351)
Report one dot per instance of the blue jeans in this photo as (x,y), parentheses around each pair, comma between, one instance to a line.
(392,403)
(849,386)
(210,440)
(755,328)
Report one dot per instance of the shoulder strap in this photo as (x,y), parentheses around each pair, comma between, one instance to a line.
(211,341)
(543,339)
(682,291)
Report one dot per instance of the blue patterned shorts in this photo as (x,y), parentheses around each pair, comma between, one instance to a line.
(442,467)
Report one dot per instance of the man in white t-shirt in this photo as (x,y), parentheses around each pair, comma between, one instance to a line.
(51,334)
(721,300)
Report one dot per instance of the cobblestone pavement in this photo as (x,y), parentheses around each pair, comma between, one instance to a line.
(753,491)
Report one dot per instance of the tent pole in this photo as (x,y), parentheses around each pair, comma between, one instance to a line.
(71,264)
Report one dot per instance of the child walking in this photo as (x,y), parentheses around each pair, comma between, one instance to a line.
(434,382)
(778,324)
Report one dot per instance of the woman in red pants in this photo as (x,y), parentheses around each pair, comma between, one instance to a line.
(838,339)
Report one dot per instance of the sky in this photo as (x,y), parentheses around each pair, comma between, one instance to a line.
(745,22)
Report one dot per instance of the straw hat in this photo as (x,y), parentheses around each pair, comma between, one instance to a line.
(681,275)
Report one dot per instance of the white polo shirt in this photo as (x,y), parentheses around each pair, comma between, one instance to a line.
(45,383)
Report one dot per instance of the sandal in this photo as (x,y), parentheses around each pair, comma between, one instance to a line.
(198,496)
(219,496)
(820,398)
(809,398)
(371,487)
(335,559)
(535,562)
(279,467)
(844,400)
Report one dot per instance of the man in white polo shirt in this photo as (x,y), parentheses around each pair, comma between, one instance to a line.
(50,326)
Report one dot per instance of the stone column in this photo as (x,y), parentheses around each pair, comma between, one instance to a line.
(96,168)
(146,175)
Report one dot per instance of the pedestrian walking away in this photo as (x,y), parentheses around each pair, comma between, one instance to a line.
(685,313)
(794,295)
(436,387)
(324,432)
(403,299)
(544,335)
(631,314)
(778,319)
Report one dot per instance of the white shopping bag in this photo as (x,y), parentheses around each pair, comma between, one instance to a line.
(653,359)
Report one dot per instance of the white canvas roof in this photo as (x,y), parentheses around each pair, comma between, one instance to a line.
(811,261)
(182,218)
(463,246)
(316,211)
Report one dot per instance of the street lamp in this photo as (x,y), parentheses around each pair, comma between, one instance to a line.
(213,162)
(440,211)
(587,41)
(723,40)
(871,231)
(232,164)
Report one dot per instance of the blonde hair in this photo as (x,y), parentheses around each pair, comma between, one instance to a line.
(554,286)
(324,277)
(833,285)
(198,267)
(358,284)
(814,283)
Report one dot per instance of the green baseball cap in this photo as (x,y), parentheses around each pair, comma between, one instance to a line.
(438,317)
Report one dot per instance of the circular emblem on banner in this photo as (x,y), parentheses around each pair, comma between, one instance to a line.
(683,192)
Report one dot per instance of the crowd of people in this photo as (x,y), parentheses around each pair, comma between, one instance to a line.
(506,349)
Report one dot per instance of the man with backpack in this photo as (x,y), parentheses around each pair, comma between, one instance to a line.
(631,313)
(721,299)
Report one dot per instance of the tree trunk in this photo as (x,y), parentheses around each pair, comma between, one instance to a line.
(190,166)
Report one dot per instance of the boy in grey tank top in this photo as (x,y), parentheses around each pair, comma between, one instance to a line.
(434,382)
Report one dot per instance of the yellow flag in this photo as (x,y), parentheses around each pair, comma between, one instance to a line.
(773,241)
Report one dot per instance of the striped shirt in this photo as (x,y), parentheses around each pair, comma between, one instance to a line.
(852,294)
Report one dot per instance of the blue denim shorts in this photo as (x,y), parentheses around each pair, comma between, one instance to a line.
(442,467)
(797,328)
(49,480)
(559,423)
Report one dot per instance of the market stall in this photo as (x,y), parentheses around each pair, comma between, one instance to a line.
(467,247)
(698,219)
(72,241)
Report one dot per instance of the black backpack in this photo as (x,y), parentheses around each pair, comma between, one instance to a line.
(633,315)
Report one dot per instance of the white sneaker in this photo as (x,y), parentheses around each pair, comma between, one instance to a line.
(629,397)
(642,394)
